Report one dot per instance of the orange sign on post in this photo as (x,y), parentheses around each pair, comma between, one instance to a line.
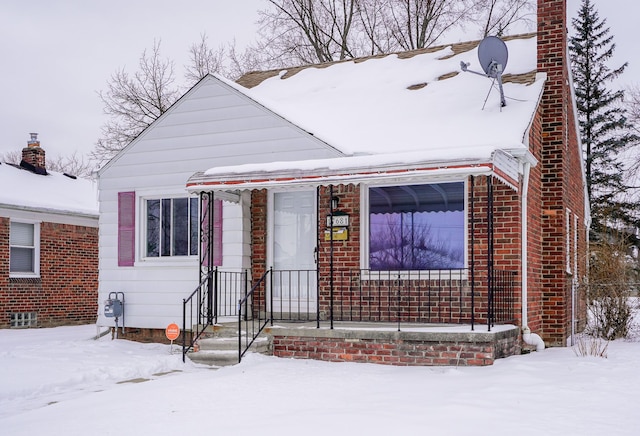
(172,331)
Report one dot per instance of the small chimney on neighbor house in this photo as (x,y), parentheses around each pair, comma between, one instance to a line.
(33,157)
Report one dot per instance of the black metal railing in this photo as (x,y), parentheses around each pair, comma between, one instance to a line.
(453,296)
(294,295)
(440,296)
(194,320)
(215,296)
(501,298)
(252,313)
(359,295)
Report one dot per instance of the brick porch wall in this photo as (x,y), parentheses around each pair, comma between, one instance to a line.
(395,348)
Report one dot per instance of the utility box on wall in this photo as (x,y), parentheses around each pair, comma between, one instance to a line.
(113,308)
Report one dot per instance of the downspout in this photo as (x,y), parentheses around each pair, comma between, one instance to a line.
(528,337)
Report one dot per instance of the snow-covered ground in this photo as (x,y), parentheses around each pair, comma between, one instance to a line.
(61,382)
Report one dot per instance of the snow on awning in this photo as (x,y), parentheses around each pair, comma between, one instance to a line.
(501,165)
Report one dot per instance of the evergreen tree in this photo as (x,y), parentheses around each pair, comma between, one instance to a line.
(604,129)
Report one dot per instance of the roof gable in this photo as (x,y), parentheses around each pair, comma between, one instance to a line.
(214,113)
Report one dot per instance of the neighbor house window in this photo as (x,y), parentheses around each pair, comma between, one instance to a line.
(24,249)
(24,319)
(172,227)
(417,227)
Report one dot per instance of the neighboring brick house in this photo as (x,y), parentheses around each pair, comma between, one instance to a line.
(48,244)
(447,208)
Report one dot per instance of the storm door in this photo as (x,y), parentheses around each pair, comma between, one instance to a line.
(293,246)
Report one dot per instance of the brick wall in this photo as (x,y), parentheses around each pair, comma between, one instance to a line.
(67,290)
(258,239)
(507,251)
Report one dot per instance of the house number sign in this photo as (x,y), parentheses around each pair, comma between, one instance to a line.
(338,221)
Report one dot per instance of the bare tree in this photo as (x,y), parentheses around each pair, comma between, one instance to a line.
(203,60)
(134,101)
(298,32)
(12,157)
(74,165)
(496,16)
(376,35)
(632,102)
(417,24)
(251,59)
(307,31)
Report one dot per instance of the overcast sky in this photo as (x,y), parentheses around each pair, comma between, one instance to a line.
(56,54)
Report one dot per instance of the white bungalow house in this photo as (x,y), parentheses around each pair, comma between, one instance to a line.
(395,188)
(149,240)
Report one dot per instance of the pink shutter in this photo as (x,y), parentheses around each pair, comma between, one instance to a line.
(126,228)
(217,233)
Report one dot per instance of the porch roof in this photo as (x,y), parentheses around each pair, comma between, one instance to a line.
(402,115)
(358,169)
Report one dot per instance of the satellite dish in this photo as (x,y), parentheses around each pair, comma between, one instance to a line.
(493,56)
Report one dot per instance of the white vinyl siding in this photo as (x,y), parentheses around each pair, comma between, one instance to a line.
(212,125)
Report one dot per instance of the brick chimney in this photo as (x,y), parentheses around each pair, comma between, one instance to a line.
(32,154)
(552,50)
(559,164)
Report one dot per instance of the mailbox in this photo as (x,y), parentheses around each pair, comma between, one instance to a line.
(113,308)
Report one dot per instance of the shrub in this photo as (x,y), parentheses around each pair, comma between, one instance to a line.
(613,279)
(590,346)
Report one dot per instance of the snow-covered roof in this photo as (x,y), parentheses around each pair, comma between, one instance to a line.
(404,109)
(53,192)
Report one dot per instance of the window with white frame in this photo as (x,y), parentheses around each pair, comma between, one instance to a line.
(416,227)
(171,227)
(24,257)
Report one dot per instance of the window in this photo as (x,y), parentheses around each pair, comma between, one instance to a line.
(172,227)
(417,227)
(24,319)
(24,254)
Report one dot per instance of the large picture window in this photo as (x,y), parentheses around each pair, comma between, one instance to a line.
(172,227)
(417,227)
(23,243)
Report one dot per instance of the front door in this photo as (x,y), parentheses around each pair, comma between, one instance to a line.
(293,252)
